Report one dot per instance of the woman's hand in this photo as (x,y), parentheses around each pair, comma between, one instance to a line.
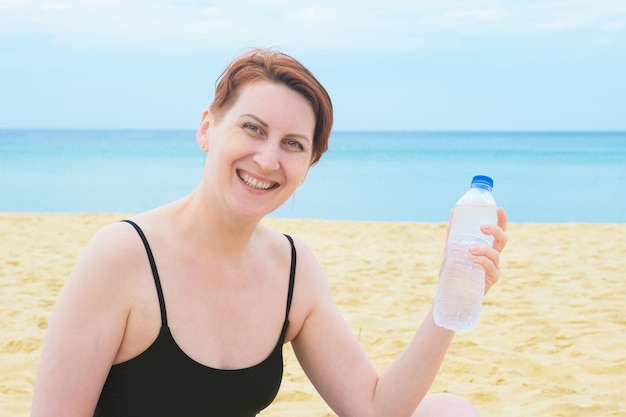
(489,257)
(486,256)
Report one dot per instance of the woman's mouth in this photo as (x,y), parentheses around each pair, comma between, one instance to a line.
(254,183)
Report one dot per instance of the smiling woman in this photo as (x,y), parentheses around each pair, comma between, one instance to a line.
(184,309)
(263,141)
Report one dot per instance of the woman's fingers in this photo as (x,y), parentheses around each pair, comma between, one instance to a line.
(489,259)
(500,237)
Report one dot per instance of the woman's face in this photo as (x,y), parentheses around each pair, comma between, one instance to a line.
(260,150)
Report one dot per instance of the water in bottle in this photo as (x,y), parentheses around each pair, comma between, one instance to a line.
(462,283)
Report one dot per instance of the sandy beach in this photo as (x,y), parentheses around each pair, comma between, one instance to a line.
(551,341)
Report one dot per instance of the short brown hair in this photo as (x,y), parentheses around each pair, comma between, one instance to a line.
(271,65)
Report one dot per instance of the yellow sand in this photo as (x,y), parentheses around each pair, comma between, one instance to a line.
(551,342)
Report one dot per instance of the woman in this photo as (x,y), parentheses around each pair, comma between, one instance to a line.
(183,310)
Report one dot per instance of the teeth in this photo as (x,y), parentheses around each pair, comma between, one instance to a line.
(259,185)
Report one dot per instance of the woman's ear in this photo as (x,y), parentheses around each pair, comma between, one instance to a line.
(202,132)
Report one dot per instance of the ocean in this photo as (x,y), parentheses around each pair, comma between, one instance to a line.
(539,177)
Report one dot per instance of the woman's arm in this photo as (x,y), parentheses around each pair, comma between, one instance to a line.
(85,329)
(335,362)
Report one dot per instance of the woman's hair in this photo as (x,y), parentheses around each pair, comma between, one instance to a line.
(270,65)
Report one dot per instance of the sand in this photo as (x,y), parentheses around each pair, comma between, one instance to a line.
(551,341)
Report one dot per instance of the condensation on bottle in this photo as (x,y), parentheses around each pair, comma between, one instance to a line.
(462,283)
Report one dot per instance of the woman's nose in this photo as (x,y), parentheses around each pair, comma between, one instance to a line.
(267,156)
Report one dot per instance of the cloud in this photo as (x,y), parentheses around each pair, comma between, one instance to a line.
(329,25)
(465,19)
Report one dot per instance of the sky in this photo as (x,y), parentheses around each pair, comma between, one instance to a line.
(388,64)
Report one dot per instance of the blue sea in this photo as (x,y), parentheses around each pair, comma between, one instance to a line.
(540,177)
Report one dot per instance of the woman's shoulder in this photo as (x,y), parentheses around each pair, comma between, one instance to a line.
(112,251)
(115,237)
(278,240)
(309,272)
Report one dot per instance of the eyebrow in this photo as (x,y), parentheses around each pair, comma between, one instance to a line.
(266,125)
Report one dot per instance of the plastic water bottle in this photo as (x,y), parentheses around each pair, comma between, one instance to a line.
(462,283)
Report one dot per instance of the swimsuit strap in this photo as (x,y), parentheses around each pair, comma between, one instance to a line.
(292,275)
(155,273)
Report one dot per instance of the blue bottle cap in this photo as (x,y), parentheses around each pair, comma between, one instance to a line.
(483,180)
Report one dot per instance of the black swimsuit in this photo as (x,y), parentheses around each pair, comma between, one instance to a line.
(164,381)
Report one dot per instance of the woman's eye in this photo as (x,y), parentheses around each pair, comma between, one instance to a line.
(294,144)
(252,127)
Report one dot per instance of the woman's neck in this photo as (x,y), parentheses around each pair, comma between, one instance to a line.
(215,231)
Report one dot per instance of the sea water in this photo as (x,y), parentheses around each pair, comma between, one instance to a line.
(576,176)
